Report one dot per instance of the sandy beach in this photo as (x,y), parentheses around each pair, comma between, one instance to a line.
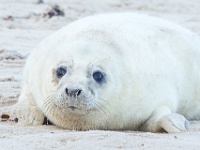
(23,24)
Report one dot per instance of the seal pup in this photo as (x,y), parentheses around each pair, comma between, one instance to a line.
(119,71)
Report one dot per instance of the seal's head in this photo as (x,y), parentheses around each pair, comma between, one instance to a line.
(82,85)
(77,91)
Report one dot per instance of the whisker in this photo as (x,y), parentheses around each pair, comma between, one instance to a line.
(103,108)
(105,101)
(91,62)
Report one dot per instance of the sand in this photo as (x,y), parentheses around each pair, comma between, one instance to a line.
(23,24)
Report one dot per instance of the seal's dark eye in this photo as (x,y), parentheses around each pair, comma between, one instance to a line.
(60,72)
(98,76)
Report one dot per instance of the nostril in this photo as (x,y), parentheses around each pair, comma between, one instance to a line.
(79,92)
(73,92)
(66,90)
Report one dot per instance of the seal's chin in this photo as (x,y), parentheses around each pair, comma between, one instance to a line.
(70,106)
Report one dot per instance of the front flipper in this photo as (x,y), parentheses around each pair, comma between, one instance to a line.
(26,111)
(24,114)
(28,115)
(173,123)
(163,119)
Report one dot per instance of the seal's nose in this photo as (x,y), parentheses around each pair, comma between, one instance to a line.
(73,92)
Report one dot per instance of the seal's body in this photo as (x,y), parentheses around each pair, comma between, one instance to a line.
(114,71)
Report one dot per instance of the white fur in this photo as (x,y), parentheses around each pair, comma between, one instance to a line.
(152,67)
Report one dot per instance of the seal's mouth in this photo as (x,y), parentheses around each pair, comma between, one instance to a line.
(74,110)
(72,107)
